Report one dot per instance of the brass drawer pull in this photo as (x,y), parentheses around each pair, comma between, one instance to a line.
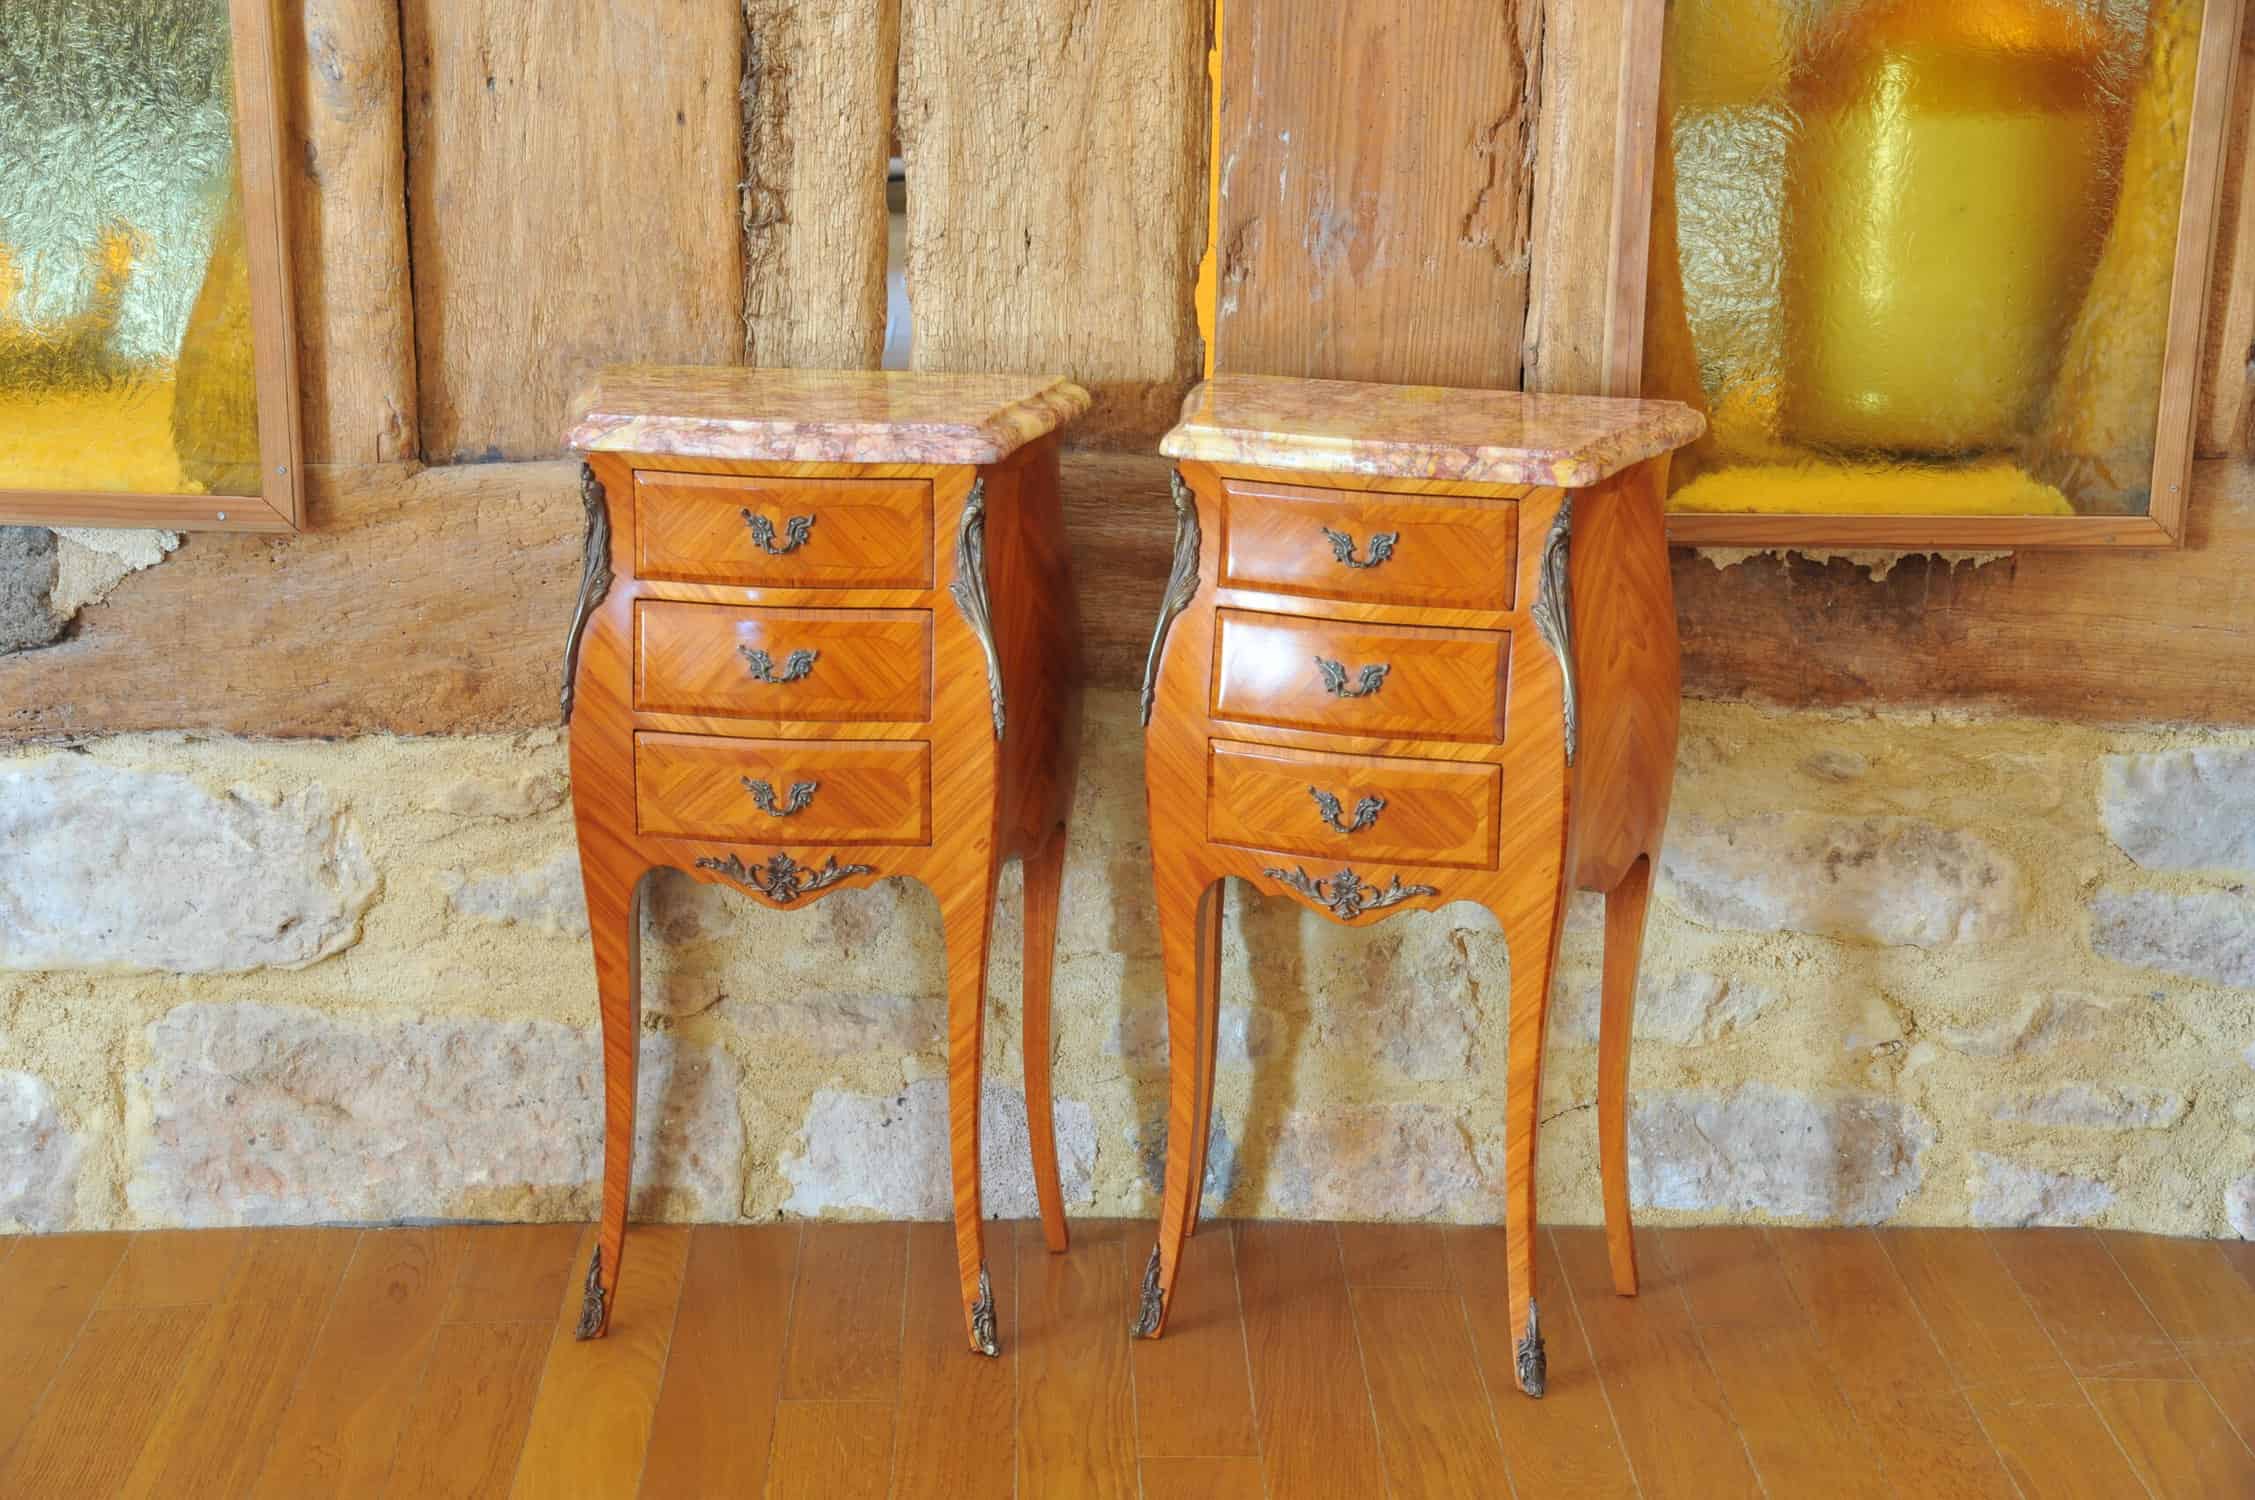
(1368,681)
(1367,810)
(796,529)
(1343,547)
(795,800)
(762,666)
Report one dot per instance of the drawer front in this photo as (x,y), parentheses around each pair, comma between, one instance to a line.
(1373,807)
(817,666)
(783,791)
(783,533)
(1369,548)
(1355,677)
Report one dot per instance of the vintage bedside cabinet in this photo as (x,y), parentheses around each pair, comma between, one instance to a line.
(1419,646)
(825,635)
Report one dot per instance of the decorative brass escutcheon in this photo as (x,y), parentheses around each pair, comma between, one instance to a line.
(796,530)
(1367,810)
(762,666)
(1367,681)
(795,800)
(1343,547)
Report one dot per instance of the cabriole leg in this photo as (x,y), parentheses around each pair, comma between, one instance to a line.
(1045,878)
(967,910)
(614,919)
(1625,907)
(1180,904)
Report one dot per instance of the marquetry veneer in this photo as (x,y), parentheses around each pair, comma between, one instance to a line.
(825,635)
(1418,647)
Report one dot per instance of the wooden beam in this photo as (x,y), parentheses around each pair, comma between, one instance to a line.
(1571,220)
(818,126)
(2100,636)
(345,173)
(1056,196)
(572,174)
(2225,423)
(417,603)
(1376,189)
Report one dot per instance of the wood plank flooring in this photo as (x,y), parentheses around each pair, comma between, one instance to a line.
(1302,1361)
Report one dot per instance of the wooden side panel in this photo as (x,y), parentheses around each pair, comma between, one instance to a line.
(818,124)
(1375,189)
(345,170)
(1056,203)
(572,174)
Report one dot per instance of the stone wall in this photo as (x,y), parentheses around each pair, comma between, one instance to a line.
(1904,968)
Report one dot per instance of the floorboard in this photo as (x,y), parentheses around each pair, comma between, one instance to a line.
(1565,1446)
(1076,1399)
(1303,1361)
(1317,1435)
(1676,1427)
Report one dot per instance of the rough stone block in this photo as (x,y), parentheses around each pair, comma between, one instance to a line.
(2088,1107)
(1243,1033)
(1686,1009)
(2010,1194)
(108,868)
(888,1154)
(263,1114)
(39,1157)
(845,1025)
(1851,1159)
(2204,935)
(548,895)
(521,796)
(1150,1143)
(2239,1207)
(1890,881)
(27,584)
(2181,809)
(1371,1161)
(2039,1024)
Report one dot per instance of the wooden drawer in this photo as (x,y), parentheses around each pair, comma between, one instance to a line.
(1374,807)
(1355,677)
(783,791)
(1439,553)
(783,533)
(820,666)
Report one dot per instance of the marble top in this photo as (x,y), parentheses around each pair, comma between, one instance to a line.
(818,416)
(1423,431)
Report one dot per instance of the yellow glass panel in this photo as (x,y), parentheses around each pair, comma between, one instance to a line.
(1913,257)
(125,337)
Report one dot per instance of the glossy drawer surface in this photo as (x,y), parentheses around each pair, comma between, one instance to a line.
(783,791)
(1434,552)
(1356,677)
(783,533)
(1333,806)
(819,666)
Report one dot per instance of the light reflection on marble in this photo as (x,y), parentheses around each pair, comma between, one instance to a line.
(818,416)
(1423,431)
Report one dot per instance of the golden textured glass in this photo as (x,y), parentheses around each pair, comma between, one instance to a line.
(1913,256)
(125,335)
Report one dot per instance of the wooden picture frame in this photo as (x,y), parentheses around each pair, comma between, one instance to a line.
(281,504)
(2197,226)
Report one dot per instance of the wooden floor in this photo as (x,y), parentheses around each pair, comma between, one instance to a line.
(1301,1361)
